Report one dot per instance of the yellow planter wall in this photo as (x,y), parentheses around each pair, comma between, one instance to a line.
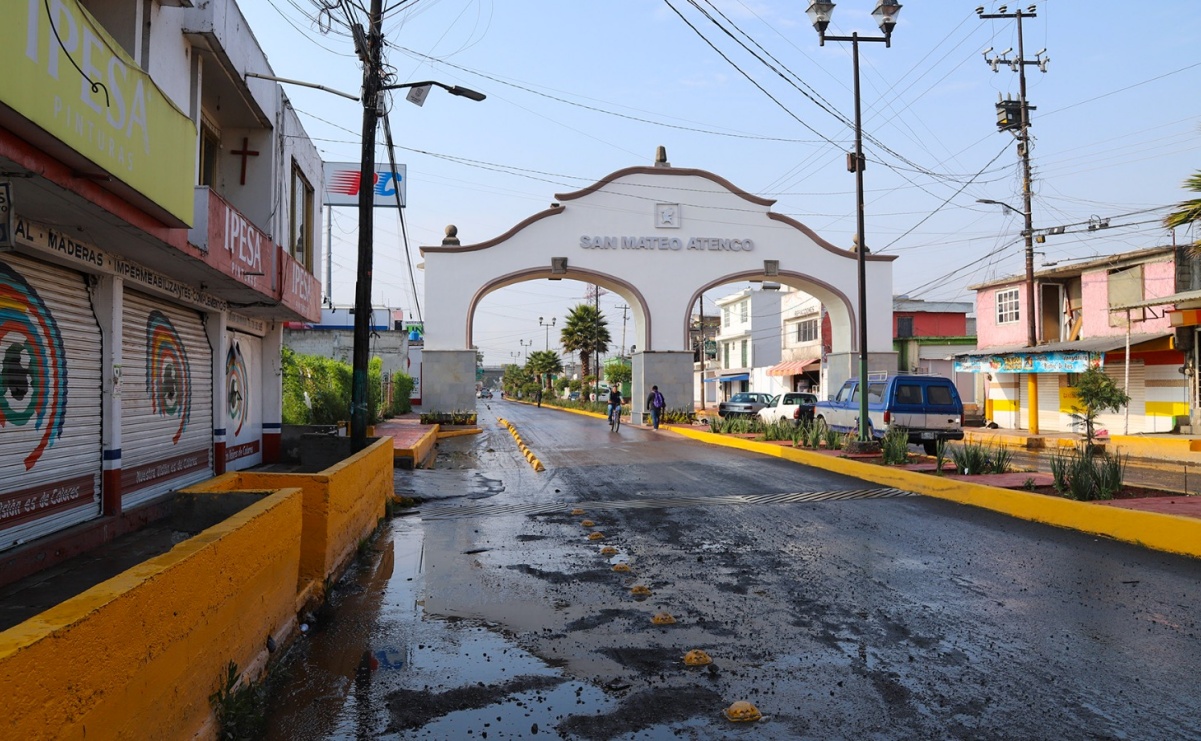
(137,656)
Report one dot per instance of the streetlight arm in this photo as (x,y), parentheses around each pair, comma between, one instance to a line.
(313,85)
(991,202)
(464,92)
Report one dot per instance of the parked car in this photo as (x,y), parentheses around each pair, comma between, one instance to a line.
(743,404)
(790,405)
(927,406)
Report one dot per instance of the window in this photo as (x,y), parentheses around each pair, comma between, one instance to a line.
(744,358)
(210,149)
(725,316)
(1007,306)
(806,331)
(725,348)
(904,326)
(939,395)
(300,246)
(909,394)
(742,307)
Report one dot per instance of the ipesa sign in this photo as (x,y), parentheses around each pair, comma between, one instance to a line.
(343,181)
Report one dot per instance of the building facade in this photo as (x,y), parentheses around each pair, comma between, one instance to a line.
(926,336)
(748,342)
(1112,313)
(162,231)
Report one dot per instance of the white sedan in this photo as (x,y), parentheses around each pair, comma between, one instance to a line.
(789,406)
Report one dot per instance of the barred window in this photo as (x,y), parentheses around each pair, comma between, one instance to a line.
(806,331)
(1007,306)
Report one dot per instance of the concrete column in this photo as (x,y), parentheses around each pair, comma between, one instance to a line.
(271,381)
(671,371)
(214,327)
(448,380)
(110,307)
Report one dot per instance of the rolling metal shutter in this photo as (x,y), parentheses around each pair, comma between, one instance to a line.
(50,400)
(1049,417)
(166,399)
(243,401)
(1115,423)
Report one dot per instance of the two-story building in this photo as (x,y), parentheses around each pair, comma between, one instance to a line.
(162,211)
(748,341)
(1111,312)
(804,342)
(927,334)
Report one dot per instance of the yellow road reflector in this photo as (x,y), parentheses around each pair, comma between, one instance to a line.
(640,590)
(663,618)
(697,657)
(608,551)
(577,511)
(742,712)
(622,567)
(596,536)
(587,523)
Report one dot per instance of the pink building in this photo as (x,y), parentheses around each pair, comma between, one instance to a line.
(1085,314)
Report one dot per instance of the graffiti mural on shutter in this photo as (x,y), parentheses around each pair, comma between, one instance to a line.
(167,399)
(243,401)
(50,411)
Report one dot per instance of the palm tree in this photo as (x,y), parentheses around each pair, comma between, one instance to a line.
(586,331)
(1188,212)
(544,363)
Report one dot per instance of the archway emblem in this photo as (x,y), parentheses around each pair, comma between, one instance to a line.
(168,375)
(33,369)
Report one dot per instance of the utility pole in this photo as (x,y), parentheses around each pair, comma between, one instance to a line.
(624,310)
(703,351)
(1006,122)
(370,51)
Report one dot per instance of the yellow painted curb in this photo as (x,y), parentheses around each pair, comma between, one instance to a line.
(1170,533)
(458,433)
(529,455)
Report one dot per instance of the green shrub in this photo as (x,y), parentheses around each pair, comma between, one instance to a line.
(402,390)
(240,708)
(1087,477)
(777,430)
(895,446)
(940,455)
(999,459)
(971,459)
(831,438)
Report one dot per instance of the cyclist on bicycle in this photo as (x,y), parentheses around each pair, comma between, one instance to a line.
(614,401)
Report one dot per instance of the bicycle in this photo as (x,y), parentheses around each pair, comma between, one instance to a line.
(614,417)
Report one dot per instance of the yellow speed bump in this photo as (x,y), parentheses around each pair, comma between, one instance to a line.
(622,567)
(577,512)
(697,657)
(596,536)
(742,712)
(639,590)
(608,551)
(663,618)
(587,523)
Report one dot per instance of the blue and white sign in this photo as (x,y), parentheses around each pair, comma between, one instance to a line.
(343,180)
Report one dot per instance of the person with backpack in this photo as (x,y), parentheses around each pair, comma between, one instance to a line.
(656,404)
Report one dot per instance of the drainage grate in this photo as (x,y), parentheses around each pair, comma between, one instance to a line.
(561,508)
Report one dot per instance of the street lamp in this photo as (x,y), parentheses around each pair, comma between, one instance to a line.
(526,344)
(371,55)
(886,16)
(548,325)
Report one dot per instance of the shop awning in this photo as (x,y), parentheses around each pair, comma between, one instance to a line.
(1056,357)
(728,379)
(790,367)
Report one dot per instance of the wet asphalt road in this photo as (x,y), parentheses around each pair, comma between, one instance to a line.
(490,615)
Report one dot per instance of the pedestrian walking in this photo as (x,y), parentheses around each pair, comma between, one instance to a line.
(656,404)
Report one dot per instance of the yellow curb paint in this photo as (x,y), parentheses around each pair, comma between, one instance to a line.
(1170,533)
(459,433)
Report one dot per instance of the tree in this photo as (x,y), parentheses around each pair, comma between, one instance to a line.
(586,331)
(618,373)
(1096,393)
(543,363)
(514,379)
(1188,212)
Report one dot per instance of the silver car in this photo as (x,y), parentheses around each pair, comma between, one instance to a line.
(743,404)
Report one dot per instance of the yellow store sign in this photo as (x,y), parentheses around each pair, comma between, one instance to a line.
(63,72)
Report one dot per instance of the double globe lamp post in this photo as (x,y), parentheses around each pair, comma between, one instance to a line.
(886,16)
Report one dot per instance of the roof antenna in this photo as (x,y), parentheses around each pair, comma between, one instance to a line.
(661,157)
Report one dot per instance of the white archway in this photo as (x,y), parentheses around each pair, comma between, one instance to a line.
(658,237)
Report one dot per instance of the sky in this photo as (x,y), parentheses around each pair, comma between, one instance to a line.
(742,88)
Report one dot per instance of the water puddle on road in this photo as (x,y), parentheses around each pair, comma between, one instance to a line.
(372,664)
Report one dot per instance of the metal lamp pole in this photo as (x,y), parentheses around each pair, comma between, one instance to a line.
(372,58)
(548,325)
(885,14)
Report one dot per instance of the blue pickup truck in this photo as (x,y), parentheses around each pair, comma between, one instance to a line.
(927,406)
